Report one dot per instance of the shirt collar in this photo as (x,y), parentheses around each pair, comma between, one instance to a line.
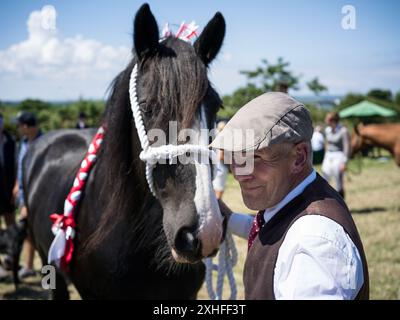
(270,212)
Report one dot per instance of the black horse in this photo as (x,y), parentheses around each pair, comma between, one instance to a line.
(128,242)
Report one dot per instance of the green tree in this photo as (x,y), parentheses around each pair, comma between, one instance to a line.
(350,99)
(33,105)
(316,87)
(317,114)
(397,99)
(380,94)
(231,103)
(271,77)
(241,96)
(267,77)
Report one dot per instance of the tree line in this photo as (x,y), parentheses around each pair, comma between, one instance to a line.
(278,77)
(264,78)
(53,116)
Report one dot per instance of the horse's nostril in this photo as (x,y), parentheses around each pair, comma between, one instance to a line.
(186,242)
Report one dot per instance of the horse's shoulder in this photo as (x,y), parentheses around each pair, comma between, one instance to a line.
(58,143)
(55,137)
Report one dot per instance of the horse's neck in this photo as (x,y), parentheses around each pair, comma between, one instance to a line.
(380,136)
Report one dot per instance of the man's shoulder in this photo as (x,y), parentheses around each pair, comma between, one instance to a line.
(318,226)
(317,231)
(321,198)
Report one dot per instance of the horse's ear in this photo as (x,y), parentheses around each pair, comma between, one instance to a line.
(358,127)
(210,41)
(145,32)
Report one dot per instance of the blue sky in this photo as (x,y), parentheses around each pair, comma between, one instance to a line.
(89,42)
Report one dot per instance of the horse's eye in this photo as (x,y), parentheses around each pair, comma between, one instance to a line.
(145,108)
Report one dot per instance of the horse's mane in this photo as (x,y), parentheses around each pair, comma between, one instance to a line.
(175,65)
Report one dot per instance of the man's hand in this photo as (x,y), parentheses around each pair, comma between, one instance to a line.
(225,211)
(343,167)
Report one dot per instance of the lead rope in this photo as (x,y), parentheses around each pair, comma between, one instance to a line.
(227,259)
(150,155)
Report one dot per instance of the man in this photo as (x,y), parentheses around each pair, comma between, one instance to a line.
(221,170)
(318,145)
(81,124)
(7,174)
(7,178)
(303,243)
(29,132)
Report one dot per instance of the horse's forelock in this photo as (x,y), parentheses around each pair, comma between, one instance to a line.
(180,83)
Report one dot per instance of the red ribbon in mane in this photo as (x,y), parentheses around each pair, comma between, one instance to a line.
(67,220)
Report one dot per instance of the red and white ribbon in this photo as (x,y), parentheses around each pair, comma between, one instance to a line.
(185,31)
(62,247)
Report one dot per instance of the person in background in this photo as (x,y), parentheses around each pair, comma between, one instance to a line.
(337,152)
(220,169)
(29,131)
(7,174)
(7,179)
(81,124)
(318,145)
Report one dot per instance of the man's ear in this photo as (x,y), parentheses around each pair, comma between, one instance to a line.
(301,154)
(210,41)
(145,32)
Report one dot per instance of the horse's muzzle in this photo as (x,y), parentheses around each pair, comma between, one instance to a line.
(187,247)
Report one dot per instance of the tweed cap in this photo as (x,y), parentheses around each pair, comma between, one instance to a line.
(271,118)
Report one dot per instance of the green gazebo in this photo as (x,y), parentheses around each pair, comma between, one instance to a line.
(366,109)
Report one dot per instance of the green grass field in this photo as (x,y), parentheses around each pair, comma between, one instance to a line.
(373,196)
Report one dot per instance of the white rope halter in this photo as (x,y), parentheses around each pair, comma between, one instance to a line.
(151,155)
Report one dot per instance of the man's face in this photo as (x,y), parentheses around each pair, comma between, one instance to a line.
(271,178)
(330,122)
(22,129)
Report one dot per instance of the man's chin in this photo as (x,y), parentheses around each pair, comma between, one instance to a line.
(253,198)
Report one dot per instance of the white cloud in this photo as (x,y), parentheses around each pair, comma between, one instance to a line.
(227,57)
(47,57)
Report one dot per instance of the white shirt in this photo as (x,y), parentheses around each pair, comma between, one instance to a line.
(317,259)
(317,141)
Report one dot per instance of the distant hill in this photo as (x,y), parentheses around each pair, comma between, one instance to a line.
(52,102)
(326,102)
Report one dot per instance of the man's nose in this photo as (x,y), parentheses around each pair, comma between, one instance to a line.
(239,176)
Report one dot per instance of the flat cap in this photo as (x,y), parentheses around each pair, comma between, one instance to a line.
(27,118)
(271,118)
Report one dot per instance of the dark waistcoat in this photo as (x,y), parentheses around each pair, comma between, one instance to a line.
(318,198)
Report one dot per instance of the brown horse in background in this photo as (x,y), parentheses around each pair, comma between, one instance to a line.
(386,136)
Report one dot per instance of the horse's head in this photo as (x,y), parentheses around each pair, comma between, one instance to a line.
(357,141)
(173,91)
